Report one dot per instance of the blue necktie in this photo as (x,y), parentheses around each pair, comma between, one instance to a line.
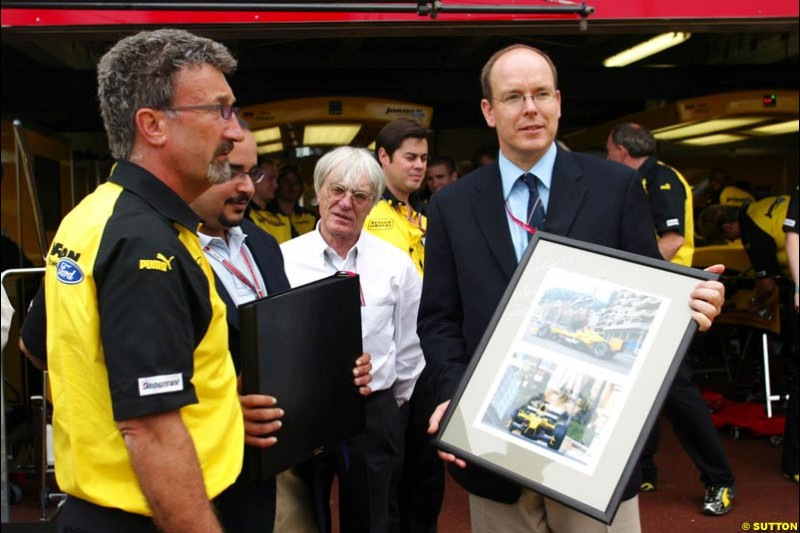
(535,207)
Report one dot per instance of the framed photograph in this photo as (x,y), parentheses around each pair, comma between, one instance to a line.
(570,375)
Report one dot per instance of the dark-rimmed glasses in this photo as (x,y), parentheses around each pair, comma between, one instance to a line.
(337,192)
(226,111)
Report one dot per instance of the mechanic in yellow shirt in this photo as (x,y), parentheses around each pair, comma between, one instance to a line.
(399,218)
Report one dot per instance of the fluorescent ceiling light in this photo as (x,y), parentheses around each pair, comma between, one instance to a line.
(719,138)
(646,49)
(330,134)
(790,126)
(704,128)
(270,148)
(267,135)
(371,146)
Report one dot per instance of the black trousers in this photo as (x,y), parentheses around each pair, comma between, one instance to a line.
(422,482)
(247,507)
(691,421)
(368,470)
(243,507)
(80,516)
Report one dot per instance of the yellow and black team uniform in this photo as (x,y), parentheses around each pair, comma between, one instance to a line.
(401,224)
(135,327)
(791,434)
(670,199)
(732,195)
(280,226)
(761,225)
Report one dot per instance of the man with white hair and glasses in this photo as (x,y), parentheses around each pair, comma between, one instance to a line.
(348,182)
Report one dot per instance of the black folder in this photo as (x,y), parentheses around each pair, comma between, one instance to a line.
(300,346)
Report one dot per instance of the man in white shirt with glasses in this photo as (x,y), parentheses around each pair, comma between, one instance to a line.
(348,182)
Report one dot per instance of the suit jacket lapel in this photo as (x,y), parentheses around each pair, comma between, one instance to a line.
(566,195)
(488,205)
(266,265)
(231,313)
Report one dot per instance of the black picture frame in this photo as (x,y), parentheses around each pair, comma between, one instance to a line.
(569,378)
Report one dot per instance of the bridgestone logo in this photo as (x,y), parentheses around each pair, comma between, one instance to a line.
(160,384)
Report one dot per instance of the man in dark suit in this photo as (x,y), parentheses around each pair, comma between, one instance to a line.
(478,229)
(248,264)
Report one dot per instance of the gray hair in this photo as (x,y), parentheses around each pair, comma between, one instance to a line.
(348,165)
(139,72)
(637,140)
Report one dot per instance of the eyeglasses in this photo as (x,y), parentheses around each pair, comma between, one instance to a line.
(517,100)
(360,198)
(256,174)
(225,111)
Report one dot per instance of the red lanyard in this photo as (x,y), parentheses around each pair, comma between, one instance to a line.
(253,284)
(527,227)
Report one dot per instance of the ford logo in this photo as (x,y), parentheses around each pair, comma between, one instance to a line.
(68,271)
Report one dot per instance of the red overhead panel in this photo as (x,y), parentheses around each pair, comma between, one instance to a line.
(27,14)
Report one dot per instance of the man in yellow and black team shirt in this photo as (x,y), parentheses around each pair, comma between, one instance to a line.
(763,227)
(147,423)
(670,200)
(760,226)
(283,217)
(669,194)
(402,151)
(263,195)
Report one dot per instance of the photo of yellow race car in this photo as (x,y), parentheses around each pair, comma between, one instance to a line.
(536,422)
(585,338)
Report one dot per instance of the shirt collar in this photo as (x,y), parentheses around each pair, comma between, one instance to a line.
(414,200)
(155,192)
(321,249)
(543,169)
(235,240)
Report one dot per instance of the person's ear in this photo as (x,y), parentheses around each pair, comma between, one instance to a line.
(152,126)
(383,156)
(488,112)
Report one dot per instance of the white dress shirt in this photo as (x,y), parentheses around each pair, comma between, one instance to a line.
(233,251)
(390,287)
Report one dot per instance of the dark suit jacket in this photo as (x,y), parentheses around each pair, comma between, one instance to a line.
(249,507)
(470,259)
(269,260)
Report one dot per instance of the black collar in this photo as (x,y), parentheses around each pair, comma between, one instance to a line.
(414,200)
(648,165)
(155,192)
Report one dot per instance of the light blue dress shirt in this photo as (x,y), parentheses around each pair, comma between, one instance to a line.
(516,193)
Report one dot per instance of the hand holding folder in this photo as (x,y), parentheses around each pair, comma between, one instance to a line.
(300,346)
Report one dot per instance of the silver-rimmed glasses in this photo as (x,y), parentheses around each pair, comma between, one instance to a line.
(360,198)
(517,100)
